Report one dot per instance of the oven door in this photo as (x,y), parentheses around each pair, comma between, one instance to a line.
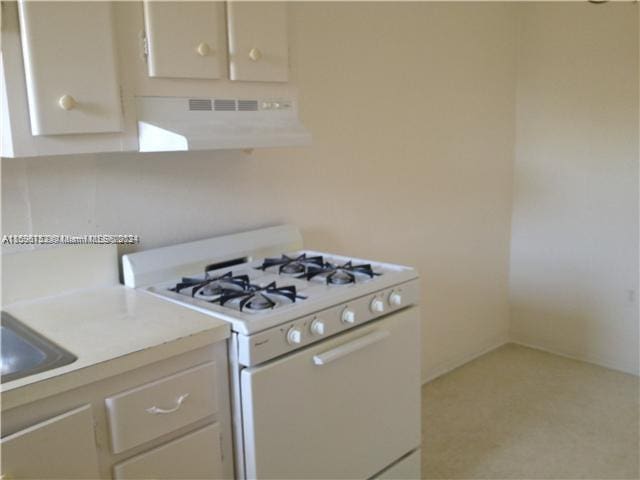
(344,408)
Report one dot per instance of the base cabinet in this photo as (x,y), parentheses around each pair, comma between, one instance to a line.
(167,420)
(61,447)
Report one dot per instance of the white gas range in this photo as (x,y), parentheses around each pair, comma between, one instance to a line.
(324,355)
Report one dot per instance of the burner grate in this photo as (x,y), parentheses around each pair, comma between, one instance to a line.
(339,274)
(256,297)
(292,266)
(212,285)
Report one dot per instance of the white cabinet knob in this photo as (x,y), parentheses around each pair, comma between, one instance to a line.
(203,49)
(348,317)
(294,336)
(377,306)
(317,327)
(255,54)
(395,299)
(67,102)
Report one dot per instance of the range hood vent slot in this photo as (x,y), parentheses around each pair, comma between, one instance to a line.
(197,104)
(247,105)
(220,105)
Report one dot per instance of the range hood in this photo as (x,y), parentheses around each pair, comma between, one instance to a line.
(169,124)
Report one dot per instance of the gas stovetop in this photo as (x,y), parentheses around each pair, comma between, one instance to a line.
(272,283)
(263,293)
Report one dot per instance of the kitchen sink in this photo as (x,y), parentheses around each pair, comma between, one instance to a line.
(26,352)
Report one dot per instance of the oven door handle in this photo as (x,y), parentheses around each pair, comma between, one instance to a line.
(350,347)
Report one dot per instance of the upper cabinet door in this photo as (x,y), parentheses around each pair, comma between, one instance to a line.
(258,41)
(185,39)
(70,67)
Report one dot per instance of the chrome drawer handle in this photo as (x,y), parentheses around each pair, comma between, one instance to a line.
(351,347)
(159,411)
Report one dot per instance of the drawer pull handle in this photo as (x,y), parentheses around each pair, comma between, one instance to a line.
(160,411)
(203,49)
(255,54)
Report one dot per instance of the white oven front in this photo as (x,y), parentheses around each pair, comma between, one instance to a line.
(348,407)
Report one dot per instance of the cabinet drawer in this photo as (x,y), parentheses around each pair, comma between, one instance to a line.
(149,411)
(196,455)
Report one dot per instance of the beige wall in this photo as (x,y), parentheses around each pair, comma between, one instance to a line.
(574,250)
(412,110)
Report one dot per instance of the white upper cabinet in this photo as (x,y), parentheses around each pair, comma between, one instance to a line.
(70,67)
(185,39)
(258,48)
(72,72)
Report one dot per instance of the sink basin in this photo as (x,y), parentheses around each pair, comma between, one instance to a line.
(25,352)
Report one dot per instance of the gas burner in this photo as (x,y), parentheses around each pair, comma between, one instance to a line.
(298,266)
(344,274)
(212,286)
(258,298)
(259,302)
(340,277)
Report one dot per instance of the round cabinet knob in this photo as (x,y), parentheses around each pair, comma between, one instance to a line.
(395,299)
(203,49)
(348,316)
(255,54)
(67,102)
(377,305)
(317,327)
(294,336)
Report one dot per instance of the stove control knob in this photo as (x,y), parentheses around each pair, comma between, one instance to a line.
(317,327)
(294,336)
(395,299)
(348,316)
(377,305)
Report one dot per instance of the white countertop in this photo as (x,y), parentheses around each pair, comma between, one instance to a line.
(111,330)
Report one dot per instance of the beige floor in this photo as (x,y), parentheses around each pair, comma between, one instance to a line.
(522,413)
